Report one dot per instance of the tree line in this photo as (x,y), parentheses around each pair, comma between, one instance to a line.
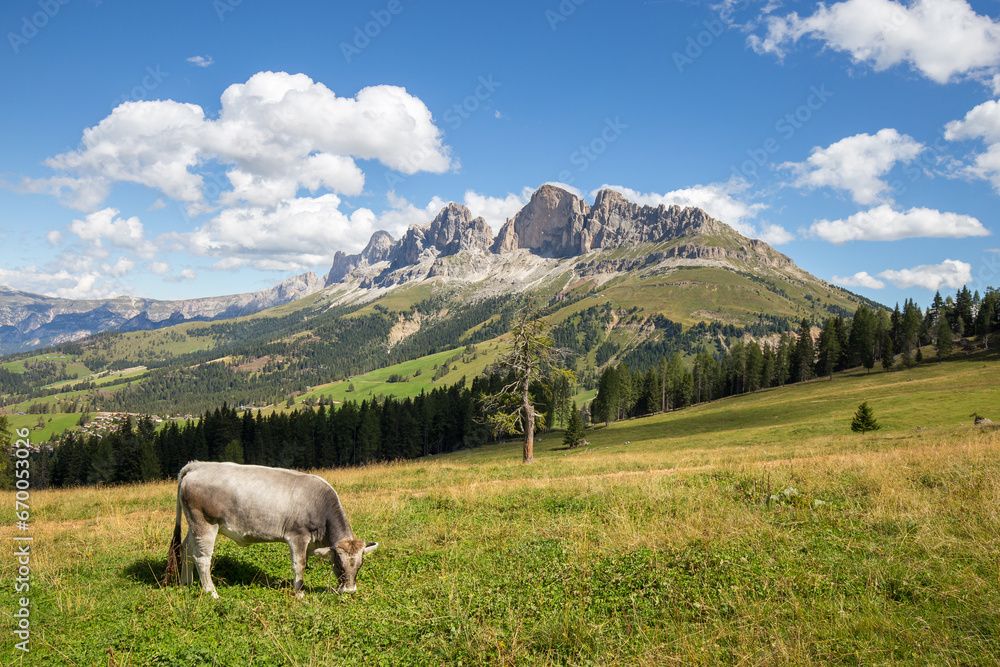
(442,420)
(872,336)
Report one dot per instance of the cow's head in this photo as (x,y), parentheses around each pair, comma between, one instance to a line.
(346,558)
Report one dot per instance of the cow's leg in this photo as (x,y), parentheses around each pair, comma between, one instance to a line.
(187,558)
(300,552)
(201,544)
(203,561)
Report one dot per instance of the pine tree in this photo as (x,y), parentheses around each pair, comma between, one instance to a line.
(829,349)
(964,321)
(605,405)
(888,353)
(985,317)
(943,345)
(864,419)
(574,430)
(910,330)
(804,354)
(233,451)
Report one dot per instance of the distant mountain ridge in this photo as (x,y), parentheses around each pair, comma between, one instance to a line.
(554,224)
(32,320)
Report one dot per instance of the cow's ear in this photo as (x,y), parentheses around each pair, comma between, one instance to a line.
(370,547)
(322,552)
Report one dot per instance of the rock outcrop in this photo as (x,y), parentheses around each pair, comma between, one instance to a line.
(551,224)
(555,224)
(451,232)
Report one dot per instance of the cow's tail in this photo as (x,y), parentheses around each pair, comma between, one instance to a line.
(174,554)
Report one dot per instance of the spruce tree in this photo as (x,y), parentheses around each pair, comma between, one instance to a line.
(985,317)
(829,349)
(864,419)
(804,354)
(574,429)
(944,345)
(888,353)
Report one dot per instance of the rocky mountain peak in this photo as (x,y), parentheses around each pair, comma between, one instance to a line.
(555,223)
(550,224)
(379,247)
(450,232)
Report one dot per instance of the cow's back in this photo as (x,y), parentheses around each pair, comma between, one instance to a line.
(257,503)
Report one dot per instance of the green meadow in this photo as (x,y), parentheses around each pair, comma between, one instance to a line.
(755,530)
(418,375)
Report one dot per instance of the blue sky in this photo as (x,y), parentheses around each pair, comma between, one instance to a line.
(197,148)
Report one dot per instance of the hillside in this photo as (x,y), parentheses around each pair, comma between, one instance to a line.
(752,530)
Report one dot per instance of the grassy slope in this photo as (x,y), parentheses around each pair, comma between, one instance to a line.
(691,295)
(375,383)
(655,545)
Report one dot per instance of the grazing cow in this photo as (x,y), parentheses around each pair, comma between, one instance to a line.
(251,504)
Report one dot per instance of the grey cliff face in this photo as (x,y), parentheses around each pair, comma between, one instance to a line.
(452,231)
(379,249)
(551,223)
(554,223)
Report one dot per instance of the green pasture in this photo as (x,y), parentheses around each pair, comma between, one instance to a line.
(755,530)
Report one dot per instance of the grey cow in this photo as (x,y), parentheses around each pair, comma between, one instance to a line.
(250,504)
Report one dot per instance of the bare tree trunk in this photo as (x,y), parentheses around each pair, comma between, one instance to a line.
(529,429)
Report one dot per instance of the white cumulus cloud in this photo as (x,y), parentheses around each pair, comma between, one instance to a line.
(496,210)
(982,122)
(293,235)
(883,223)
(856,164)
(105,227)
(64,283)
(121,266)
(949,273)
(859,279)
(943,40)
(275,134)
(774,234)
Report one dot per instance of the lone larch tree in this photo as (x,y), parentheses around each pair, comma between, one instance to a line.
(531,358)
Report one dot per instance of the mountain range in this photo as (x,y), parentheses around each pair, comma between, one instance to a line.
(556,241)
